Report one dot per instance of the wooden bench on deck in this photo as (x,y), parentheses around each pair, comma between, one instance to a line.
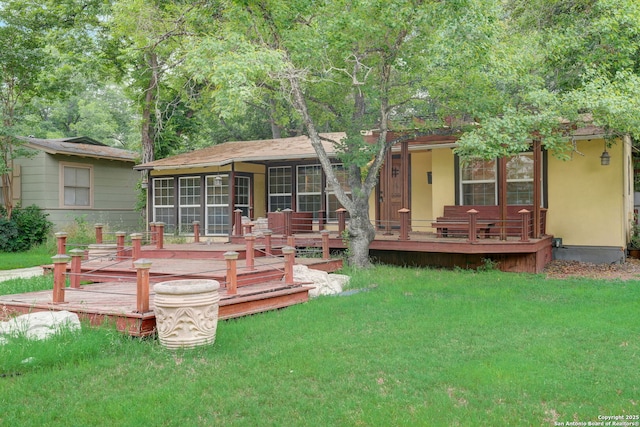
(455,221)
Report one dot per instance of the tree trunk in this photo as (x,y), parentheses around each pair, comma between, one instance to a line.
(361,234)
(147,133)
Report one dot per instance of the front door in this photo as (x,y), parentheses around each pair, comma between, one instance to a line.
(392,189)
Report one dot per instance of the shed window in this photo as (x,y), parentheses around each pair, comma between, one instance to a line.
(76,183)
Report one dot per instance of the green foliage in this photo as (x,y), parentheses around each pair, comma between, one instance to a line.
(28,227)
(80,232)
(634,243)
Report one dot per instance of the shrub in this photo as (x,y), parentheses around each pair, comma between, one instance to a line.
(28,227)
(8,235)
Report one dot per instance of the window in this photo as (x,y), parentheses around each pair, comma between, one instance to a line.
(332,201)
(189,202)
(217,187)
(520,179)
(163,202)
(279,188)
(309,188)
(243,194)
(76,185)
(478,181)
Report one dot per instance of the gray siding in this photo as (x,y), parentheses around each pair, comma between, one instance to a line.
(114,191)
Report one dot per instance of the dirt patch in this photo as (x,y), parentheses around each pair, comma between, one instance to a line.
(629,270)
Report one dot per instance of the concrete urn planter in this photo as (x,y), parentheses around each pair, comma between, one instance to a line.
(186,312)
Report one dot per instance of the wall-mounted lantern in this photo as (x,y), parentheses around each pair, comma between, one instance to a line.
(605,158)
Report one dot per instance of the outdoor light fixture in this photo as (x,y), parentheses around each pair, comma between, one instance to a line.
(605,158)
(217,181)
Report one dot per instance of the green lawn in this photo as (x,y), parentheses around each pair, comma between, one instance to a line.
(420,347)
(36,256)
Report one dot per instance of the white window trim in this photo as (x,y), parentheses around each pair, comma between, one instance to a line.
(307,193)
(332,217)
(61,186)
(269,194)
(213,206)
(180,205)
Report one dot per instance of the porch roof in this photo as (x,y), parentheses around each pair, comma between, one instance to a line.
(297,147)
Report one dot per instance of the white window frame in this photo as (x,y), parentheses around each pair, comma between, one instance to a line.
(308,193)
(495,180)
(222,204)
(338,169)
(171,207)
(193,204)
(479,181)
(288,171)
(242,181)
(62,186)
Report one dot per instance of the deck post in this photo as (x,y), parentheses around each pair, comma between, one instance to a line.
(120,245)
(196,231)
(525,215)
(98,228)
(76,263)
(473,219)
(232,273)
(153,231)
(291,241)
(250,240)
(342,220)
(289,260)
(61,238)
(136,246)
(237,222)
(404,223)
(288,215)
(59,277)
(248,228)
(267,241)
(325,244)
(321,220)
(142,284)
(159,235)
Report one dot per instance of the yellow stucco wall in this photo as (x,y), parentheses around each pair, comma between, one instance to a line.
(421,191)
(444,181)
(588,202)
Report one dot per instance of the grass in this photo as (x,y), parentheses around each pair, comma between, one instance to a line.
(36,256)
(420,347)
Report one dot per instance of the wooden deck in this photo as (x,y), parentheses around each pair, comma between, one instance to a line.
(427,249)
(111,295)
(116,302)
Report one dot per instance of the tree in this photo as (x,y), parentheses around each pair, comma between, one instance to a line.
(37,47)
(348,65)
(577,57)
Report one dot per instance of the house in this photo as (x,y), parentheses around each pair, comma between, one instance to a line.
(582,207)
(71,178)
